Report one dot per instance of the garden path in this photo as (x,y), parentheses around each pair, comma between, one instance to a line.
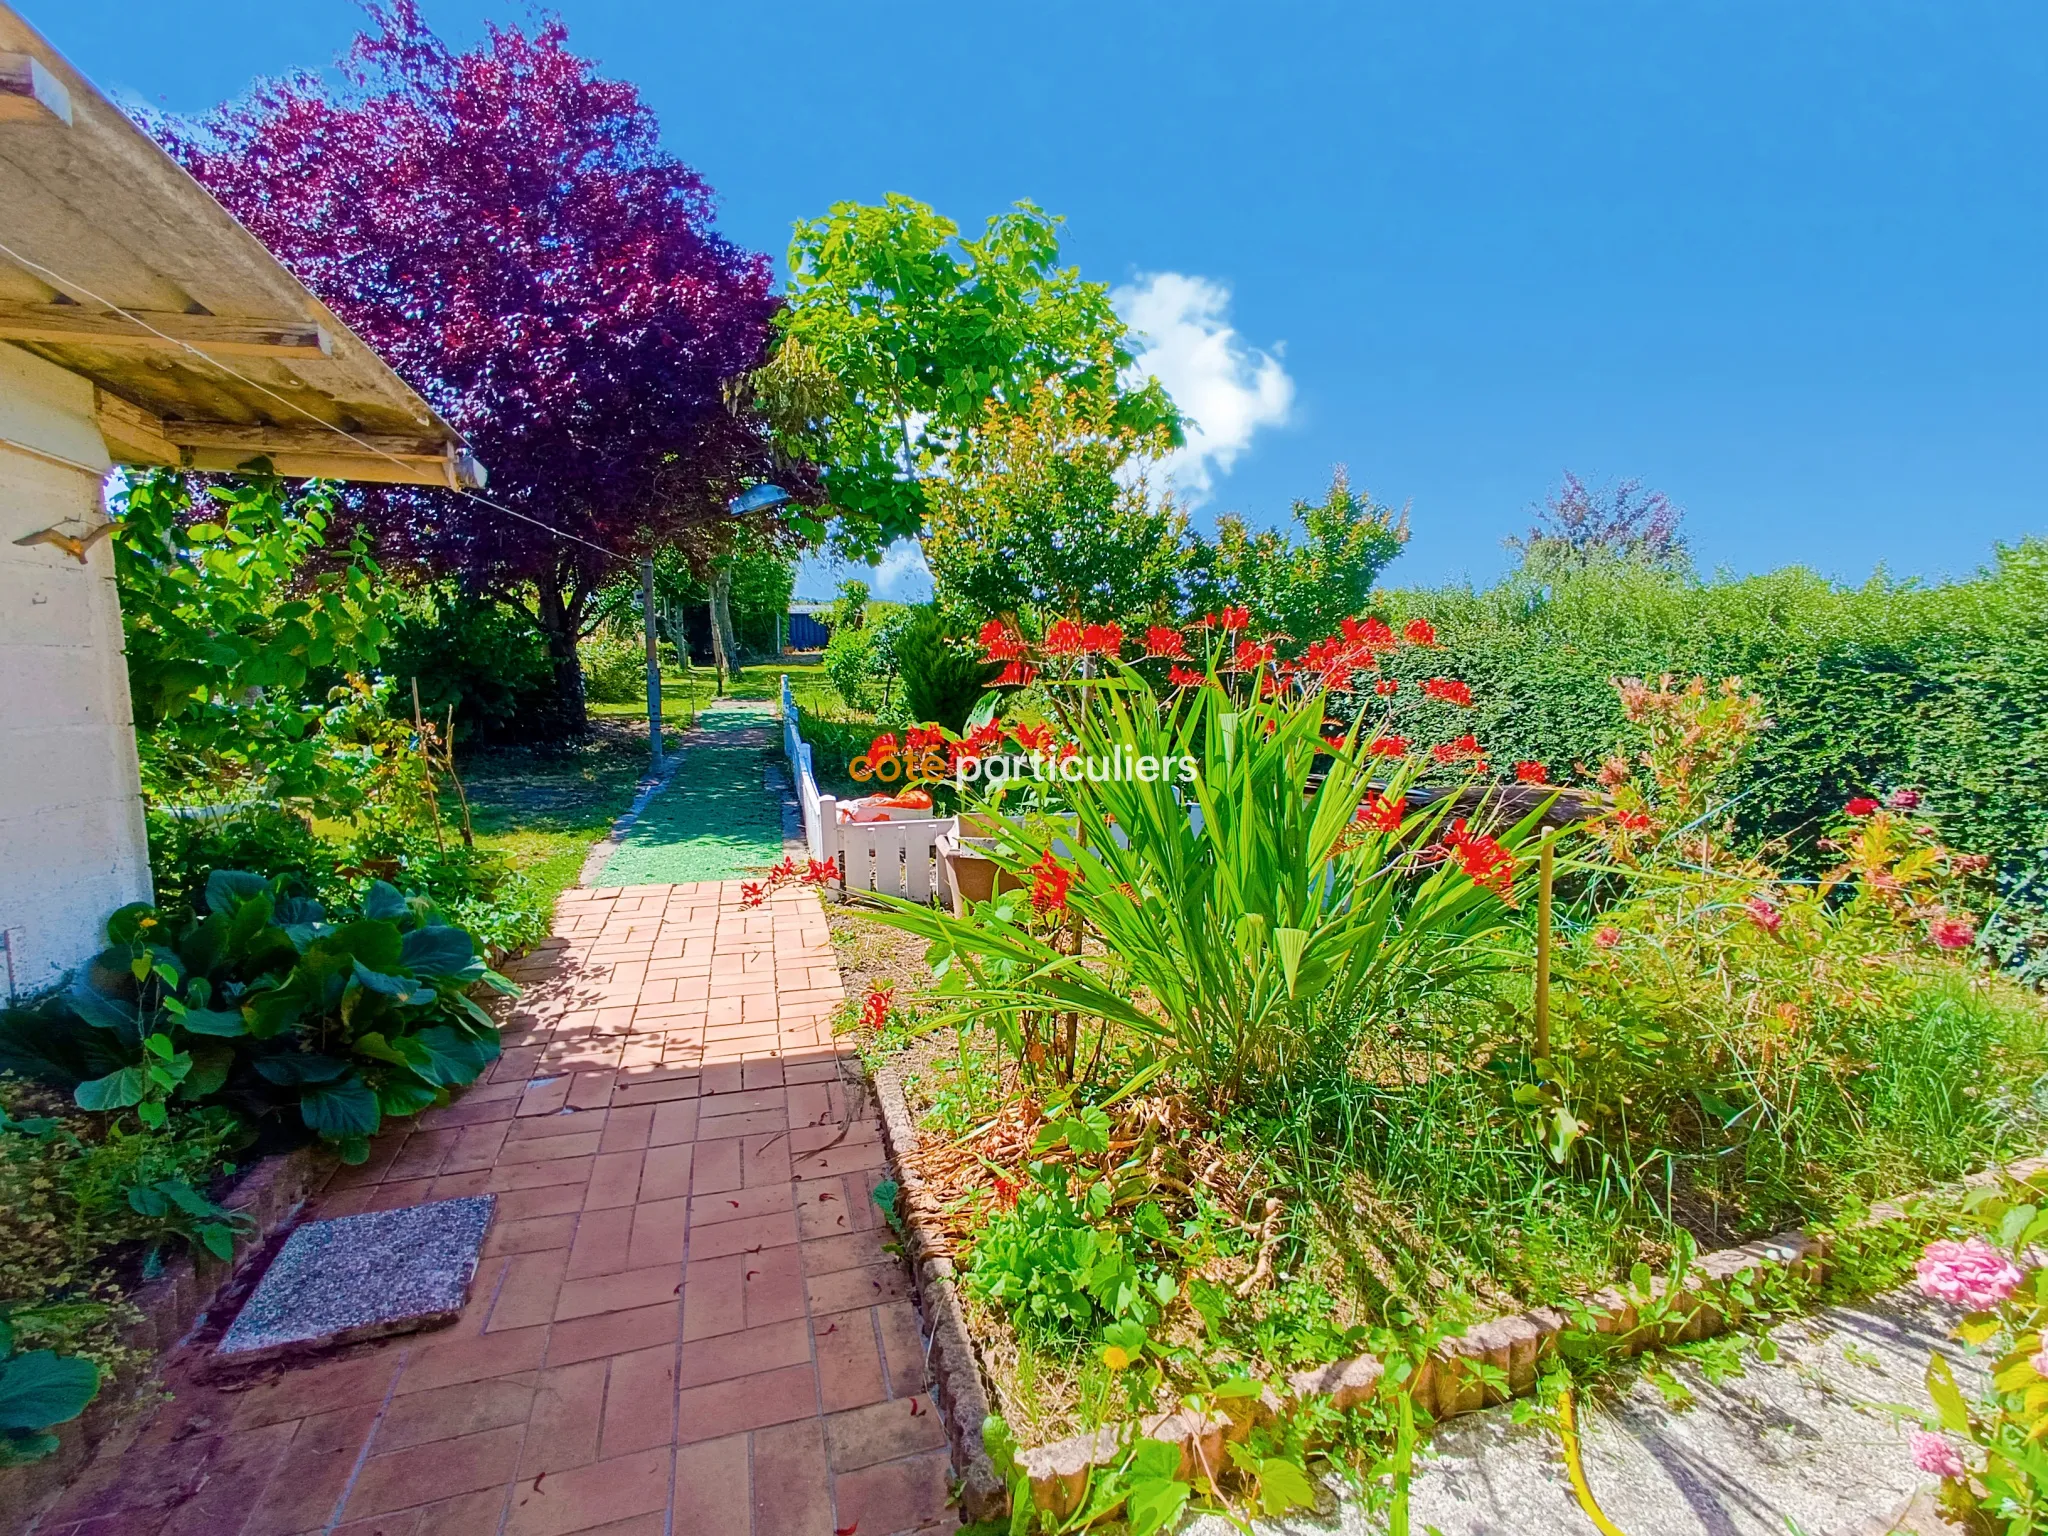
(685,1323)
(709,820)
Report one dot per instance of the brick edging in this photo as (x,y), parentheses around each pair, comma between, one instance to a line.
(1444,1382)
(955,1369)
(271,1194)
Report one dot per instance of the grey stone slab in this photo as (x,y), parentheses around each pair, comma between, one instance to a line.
(1812,1443)
(361,1277)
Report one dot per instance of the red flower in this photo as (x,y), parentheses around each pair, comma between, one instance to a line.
(1764,915)
(883,747)
(1185,677)
(874,1008)
(1249,654)
(921,738)
(1386,687)
(1419,632)
(1006,1191)
(1464,749)
(1103,639)
(1382,814)
(1016,675)
(1952,932)
(1000,642)
(1531,773)
(1634,821)
(1372,634)
(820,872)
(1607,937)
(1483,858)
(1161,641)
(752,893)
(1049,882)
(1449,689)
(1234,619)
(1033,738)
(1065,638)
(1861,806)
(1389,746)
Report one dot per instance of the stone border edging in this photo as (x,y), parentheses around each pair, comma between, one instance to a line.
(1444,1382)
(270,1194)
(601,851)
(955,1369)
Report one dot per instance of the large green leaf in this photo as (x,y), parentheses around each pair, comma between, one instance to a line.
(223,1022)
(42,1388)
(117,1090)
(438,950)
(292,1068)
(345,1107)
(385,902)
(227,888)
(103,1012)
(368,941)
(400,987)
(446,1057)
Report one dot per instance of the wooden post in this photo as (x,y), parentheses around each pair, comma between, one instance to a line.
(419,735)
(1546,870)
(653,664)
(468,832)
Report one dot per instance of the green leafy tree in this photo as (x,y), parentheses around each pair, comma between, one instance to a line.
(898,333)
(1301,588)
(1047,507)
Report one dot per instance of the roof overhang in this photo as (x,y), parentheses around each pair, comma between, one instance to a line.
(203,350)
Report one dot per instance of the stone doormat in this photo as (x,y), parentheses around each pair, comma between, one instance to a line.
(361,1277)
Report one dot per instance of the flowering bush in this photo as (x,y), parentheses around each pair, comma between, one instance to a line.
(1254,914)
(1988,1451)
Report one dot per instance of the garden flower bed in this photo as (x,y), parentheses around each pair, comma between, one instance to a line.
(1248,1083)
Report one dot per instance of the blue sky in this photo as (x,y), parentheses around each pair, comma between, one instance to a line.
(1788,264)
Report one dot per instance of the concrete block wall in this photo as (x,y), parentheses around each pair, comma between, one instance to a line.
(72,840)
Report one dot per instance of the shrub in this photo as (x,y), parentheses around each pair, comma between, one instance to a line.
(266,1005)
(614,671)
(944,676)
(850,662)
(1058,1267)
(486,658)
(185,850)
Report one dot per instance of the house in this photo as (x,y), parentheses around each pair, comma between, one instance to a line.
(139,324)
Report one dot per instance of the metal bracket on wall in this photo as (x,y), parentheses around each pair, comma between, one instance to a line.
(12,942)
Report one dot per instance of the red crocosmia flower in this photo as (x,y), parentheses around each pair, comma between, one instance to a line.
(1449,689)
(1250,654)
(1952,932)
(1234,619)
(1382,814)
(1016,675)
(1861,806)
(1419,632)
(1006,1191)
(1764,914)
(1607,937)
(820,872)
(1065,638)
(1483,858)
(883,747)
(1334,742)
(874,1008)
(999,642)
(986,737)
(1528,772)
(1185,677)
(1161,641)
(1388,746)
(1049,882)
(1634,821)
(1463,749)
(1068,749)
(1386,687)
(752,893)
(1033,738)
(1103,639)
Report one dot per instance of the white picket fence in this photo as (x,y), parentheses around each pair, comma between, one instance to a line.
(897,858)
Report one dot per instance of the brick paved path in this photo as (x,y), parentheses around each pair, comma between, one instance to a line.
(685,1321)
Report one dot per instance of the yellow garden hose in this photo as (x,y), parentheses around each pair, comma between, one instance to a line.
(1567,1431)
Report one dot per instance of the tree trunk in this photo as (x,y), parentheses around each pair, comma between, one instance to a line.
(559,612)
(723,643)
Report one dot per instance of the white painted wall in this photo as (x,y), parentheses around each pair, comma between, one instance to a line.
(72,840)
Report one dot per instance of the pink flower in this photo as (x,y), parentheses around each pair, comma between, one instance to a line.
(1903,799)
(1952,932)
(2039,1361)
(1607,937)
(1934,1455)
(1970,1274)
(1764,915)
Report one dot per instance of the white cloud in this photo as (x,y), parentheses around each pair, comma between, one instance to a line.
(901,576)
(1227,388)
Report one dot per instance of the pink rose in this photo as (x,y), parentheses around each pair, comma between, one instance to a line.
(1903,799)
(1934,1455)
(1970,1274)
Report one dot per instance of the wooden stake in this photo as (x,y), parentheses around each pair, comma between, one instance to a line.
(1546,870)
(468,833)
(419,731)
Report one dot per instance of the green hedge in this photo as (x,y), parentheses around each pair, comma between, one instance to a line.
(1943,688)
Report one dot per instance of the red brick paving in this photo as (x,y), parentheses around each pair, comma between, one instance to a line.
(684,1323)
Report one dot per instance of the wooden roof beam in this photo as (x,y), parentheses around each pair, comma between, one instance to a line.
(74,325)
